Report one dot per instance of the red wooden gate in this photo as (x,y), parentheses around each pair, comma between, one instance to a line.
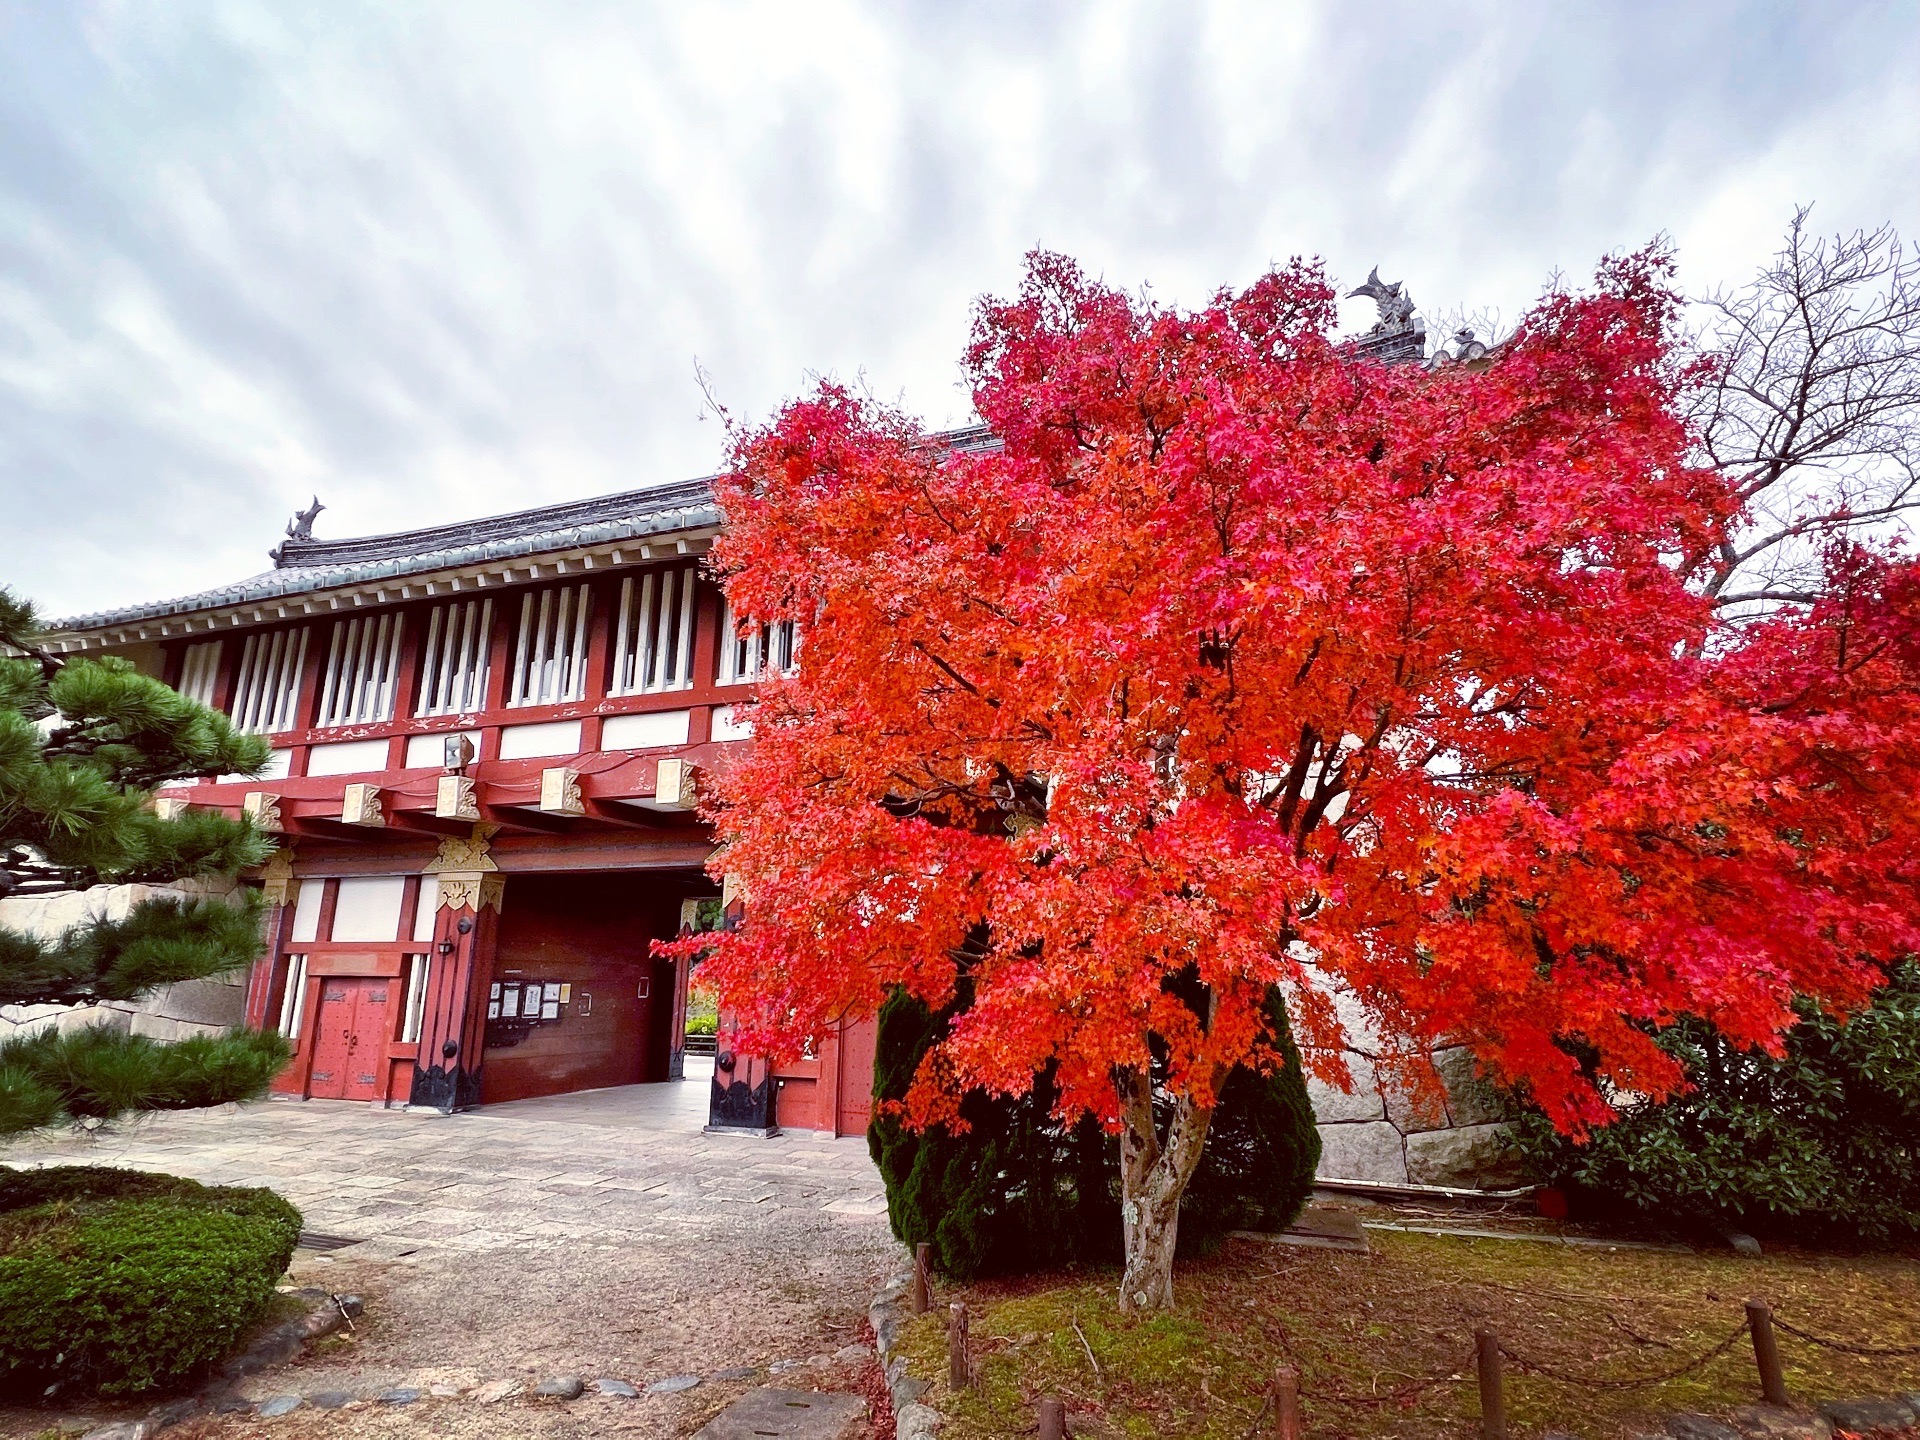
(349,1038)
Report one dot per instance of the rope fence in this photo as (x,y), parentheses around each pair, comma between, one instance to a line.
(1530,1366)
(1847,1347)
(1279,1416)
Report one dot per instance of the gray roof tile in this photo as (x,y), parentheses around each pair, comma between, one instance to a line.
(303,566)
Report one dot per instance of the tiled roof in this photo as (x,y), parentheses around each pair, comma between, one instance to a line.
(304,566)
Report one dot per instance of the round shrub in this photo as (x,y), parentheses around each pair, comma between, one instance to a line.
(121,1282)
(1017,1191)
(1823,1142)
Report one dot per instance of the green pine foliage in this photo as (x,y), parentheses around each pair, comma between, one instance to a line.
(1017,1191)
(82,743)
(121,1282)
(1262,1147)
(1823,1142)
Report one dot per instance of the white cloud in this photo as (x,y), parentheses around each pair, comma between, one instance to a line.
(438,260)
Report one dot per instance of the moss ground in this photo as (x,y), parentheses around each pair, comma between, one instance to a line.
(1360,1328)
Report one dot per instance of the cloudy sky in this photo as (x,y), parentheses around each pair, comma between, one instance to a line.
(434,261)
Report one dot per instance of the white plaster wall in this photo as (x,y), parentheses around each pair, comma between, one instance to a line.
(173,1012)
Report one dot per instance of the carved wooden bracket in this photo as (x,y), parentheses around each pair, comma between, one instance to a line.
(263,808)
(168,807)
(361,806)
(474,890)
(459,853)
(560,792)
(454,799)
(674,782)
(277,883)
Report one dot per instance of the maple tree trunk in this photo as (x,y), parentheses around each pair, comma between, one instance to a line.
(1153,1177)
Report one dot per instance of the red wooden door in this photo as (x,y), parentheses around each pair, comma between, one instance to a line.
(349,1037)
(855,1107)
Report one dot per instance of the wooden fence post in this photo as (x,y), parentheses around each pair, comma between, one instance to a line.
(957,1375)
(922,1292)
(1493,1400)
(1053,1420)
(1286,1403)
(1766,1353)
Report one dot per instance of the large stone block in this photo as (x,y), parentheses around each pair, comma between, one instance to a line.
(86,1017)
(789,1414)
(1355,1020)
(1470,1100)
(17,1022)
(162,1027)
(1415,1098)
(1369,1150)
(1332,1105)
(49,915)
(1470,1157)
(194,1007)
(219,1003)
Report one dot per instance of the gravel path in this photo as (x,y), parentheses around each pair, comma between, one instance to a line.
(598,1235)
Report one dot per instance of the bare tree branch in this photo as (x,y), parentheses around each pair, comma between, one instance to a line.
(1813,408)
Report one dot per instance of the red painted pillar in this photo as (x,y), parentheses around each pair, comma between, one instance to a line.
(446,1075)
(744,1090)
(742,1102)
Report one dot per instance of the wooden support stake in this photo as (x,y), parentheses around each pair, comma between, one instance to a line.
(1286,1403)
(957,1376)
(1766,1353)
(1053,1420)
(1493,1400)
(922,1300)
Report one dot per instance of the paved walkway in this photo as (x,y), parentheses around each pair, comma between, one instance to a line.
(597,1234)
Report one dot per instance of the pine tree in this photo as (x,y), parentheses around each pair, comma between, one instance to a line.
(82,743)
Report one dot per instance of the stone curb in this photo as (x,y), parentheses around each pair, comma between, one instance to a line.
(554,1390)
(1820,1420)
(326,1313)
(887,1313)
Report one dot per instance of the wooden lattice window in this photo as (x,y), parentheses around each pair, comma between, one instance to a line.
(455,671)
(363,664)
(653,641)
(748,651)
(266,692)
(200,671)
(550,655)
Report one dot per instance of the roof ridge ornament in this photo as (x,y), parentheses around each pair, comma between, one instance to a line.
(1398,334)
(300,527)
(1469,350)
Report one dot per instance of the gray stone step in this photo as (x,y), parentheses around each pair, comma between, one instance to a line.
(787,1414)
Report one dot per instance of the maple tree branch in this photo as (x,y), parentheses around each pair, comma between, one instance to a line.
(1297,775)
(955,675)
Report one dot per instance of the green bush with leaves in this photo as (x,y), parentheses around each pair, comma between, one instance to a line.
(1823,1142)
(119,1282)
(1016,1191)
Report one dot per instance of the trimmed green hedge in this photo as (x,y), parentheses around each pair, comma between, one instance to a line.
(121,1282)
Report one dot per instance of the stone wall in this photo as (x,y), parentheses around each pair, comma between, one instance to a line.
(1385,1134)
(173,1012)
(1391,1130)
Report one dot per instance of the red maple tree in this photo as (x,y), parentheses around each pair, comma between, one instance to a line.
(1247,659)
